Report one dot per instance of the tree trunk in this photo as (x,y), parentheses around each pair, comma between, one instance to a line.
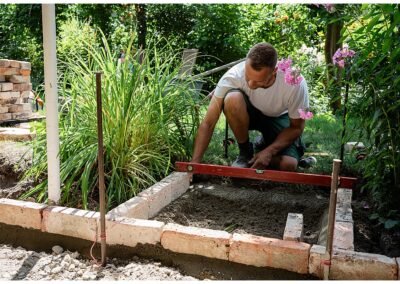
(333,83)
(142,27)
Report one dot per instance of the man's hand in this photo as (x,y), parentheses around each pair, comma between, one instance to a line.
(261,160)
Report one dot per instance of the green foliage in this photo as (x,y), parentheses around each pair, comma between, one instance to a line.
(73,38)
(374,35)
(148,121)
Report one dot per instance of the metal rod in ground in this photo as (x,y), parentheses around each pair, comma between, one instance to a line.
(226,143)
(346,98)
(331,217)
(101,169)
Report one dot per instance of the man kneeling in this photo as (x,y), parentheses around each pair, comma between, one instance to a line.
(254,95)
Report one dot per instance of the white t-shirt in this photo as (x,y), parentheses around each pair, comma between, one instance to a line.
(278,99)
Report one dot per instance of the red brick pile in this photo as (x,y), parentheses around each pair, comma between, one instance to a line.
(15,90)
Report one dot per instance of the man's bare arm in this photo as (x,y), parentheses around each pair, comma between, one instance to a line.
(284,139)
(206,129)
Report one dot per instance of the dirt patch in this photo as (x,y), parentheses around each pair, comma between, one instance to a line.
(15,159)
(258,208)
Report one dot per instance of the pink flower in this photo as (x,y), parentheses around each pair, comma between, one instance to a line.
(305,114)
(292,76)
(284,64)
(341,54)
(330,7)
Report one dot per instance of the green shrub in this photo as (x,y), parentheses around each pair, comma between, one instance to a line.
(149,117)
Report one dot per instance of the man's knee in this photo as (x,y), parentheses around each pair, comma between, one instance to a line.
(234,102)
(288,163)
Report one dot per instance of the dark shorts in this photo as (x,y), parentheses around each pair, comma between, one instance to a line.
(270,127)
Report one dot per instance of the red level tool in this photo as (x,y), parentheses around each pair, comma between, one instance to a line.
(279,176)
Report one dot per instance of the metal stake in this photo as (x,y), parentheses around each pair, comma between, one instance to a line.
(331,217)
(101,169)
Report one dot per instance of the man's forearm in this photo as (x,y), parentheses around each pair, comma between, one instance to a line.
(284,140)
(202,140)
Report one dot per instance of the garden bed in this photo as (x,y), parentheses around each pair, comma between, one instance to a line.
(239,206)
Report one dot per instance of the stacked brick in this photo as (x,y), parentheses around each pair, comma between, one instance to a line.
(15,90)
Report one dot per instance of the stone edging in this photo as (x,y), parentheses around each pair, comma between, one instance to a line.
(124,227)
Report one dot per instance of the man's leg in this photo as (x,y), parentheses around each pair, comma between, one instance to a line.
(235,111)
(284,163)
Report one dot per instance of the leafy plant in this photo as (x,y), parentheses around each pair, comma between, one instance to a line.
(149,116)
(377,71)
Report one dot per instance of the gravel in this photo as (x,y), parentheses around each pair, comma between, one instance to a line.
(20,264)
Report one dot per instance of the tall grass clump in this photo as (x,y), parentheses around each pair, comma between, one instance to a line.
(149,117)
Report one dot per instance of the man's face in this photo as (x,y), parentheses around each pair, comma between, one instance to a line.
(259,79)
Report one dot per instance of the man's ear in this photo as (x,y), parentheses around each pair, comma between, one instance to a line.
(276,69)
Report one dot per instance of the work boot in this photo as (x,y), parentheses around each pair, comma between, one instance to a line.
(259,144)
(245,155)
(307,162)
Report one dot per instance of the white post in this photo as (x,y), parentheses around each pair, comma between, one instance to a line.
(50,76)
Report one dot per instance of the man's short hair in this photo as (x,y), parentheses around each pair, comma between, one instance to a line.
(262,55)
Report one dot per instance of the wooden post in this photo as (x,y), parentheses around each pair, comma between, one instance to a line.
(101,169)
(331,218)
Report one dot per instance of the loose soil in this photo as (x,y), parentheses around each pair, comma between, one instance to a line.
(243,206)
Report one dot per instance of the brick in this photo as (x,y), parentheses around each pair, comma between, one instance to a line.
(5,63)
(24,72)
(136,207)
(343,236)
(158,196)
(6,86)
(9,95)
(71,222)
(180,183)
(2,78)
(21,115)
(130,232)
(349,265)
(18,79)
(5,116)
(3,109)
(314,264)
(27,94)
(9,71)
(21,213)
(25,65)
(344,196)
(15,64)
(20,108)
(192,240)
(294,228)
(344,213)
(16,134)
(269,252)
(22,87)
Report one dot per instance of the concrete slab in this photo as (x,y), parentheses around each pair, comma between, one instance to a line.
(21,213)
(294,228)
(314,264)
(269,252)
(351,265)
(343,236)
(398,267)
(192,240)
(158,196)
(130,232)
(136,207)
(72,222)
(180,183)
(16,134)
